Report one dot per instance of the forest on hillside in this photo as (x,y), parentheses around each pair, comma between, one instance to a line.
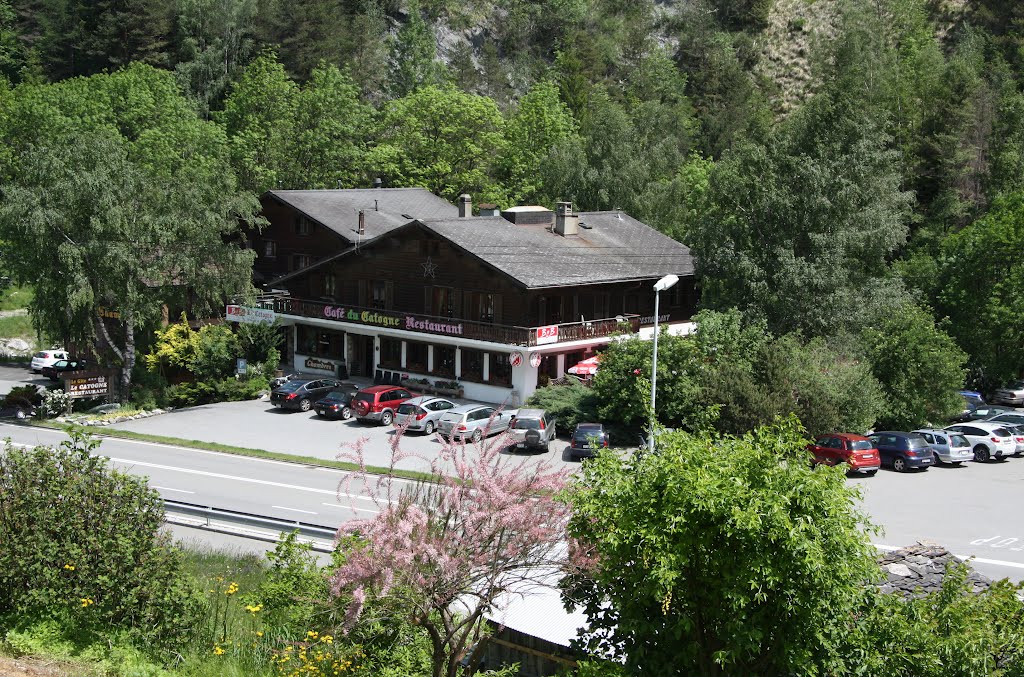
(832,163)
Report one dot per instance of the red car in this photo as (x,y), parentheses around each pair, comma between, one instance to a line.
(379,403)
(856,451)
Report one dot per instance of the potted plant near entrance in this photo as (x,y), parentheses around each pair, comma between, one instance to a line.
(449,388)
(419,384)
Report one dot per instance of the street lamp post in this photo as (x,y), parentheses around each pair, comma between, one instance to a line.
(661,285)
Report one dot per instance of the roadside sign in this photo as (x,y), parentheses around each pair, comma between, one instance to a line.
(81,386)
(241,366)
(515,359)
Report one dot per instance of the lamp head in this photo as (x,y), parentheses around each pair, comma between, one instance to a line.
(666,282)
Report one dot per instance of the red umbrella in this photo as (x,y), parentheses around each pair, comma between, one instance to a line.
(587,367)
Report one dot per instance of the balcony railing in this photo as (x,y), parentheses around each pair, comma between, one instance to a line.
(448,326)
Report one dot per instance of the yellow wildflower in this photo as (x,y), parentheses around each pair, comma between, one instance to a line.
(232,589)
(259,633)
(312,634)
(86,602)
(69,566)
(217,651)
(254,608)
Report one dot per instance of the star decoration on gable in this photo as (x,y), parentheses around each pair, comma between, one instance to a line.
(429,268)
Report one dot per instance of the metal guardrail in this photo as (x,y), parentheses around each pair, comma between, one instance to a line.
(246,524)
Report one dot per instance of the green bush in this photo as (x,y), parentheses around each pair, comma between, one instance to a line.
(82,544)
(224,390)
(24,396)
(55,403)
(569,404)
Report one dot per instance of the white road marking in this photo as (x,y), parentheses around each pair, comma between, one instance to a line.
(982,560)
(251,480)
(183,491)
(350,507)
(281,507)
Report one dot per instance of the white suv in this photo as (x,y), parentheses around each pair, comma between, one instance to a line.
(988,440)
(47,358)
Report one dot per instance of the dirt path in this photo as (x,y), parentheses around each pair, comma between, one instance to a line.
(36,667)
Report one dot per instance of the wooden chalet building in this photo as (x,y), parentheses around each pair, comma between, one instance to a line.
(500,303)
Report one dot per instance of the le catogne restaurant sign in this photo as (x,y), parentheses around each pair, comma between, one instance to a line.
(375,318)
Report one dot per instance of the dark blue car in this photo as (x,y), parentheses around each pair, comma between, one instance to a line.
(903,451)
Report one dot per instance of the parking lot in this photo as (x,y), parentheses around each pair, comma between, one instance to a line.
(972,510)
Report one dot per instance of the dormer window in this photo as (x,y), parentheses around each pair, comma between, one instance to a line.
(302,226)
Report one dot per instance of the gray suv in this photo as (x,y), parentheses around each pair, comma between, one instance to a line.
(473,422)
(531,429)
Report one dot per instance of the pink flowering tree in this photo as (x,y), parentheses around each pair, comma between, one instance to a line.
(443,551)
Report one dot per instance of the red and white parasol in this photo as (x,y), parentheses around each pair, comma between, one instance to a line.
(587,367)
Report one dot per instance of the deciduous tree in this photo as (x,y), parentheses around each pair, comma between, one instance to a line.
(442,554)
(718,555)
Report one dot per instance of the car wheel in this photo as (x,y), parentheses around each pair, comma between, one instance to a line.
(428,428)
(938,461)
(982,454)
(305,404)
(899,464)
(477,435)
(346,413)
(386,418)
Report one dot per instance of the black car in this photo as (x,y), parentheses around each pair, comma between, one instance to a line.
(903,451)
(302,393)
(54,371)
(986,411)
(336,404)
(587,439)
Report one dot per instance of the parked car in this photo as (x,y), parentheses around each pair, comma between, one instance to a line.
(1017,433)
(587,439)
(422,413)
(301,393)
(981,413)
(947,446)
(988,440)
(1012,394)
(972,398)
(474,422)
(857,452)
(532,429)
(903,451)
(46,358)
(54,371)
(1007,417)
(379,403)
(336,404)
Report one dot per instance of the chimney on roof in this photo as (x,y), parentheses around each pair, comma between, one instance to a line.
(465,206)
(362,223)
(566,223)
(377,183)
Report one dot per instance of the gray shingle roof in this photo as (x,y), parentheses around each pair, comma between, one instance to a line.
(616,247)
(383,208)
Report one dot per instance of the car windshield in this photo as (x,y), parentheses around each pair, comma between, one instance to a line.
(860,445)
(407,409)
(591,434)
(958,441)
(526,424)
(337,396)
(1016,385)
(42,354)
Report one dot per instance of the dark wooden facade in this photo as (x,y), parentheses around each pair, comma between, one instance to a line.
(415,272)
(289,242)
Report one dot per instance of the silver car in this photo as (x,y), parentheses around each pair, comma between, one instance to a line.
(1012,394)
(474,422)
(422,413)
(947,447)
(1017,431)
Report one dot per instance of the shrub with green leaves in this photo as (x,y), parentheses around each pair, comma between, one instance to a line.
(81,543)
(569,404)
(55,403)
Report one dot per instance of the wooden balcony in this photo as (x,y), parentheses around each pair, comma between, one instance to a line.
(456,327)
